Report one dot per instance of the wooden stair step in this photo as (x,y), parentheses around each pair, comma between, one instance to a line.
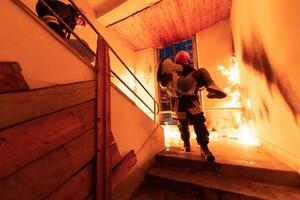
(11,78)
(115,155)
(148,192)
(205,185)
(284,176)
(121,170)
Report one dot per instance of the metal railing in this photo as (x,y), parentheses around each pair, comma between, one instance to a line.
(155,111)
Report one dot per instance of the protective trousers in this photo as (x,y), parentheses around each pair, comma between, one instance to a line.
(202,134)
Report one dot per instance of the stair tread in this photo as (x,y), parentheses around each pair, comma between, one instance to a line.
(147,192)
(193,156)
(213,181)
(265,173)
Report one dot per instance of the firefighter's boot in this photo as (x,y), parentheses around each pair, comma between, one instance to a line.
(207,154)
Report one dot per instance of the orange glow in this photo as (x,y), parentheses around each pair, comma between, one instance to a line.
(172,136)
(244,132)
(130,80)
(233,76)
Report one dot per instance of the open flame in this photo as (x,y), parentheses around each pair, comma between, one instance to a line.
(233,77)
(243,132)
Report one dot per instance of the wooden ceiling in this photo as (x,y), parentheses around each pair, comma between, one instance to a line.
(170,21)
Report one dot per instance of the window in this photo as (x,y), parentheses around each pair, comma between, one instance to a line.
(170,51)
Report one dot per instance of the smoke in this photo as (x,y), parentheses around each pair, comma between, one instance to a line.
(255,57)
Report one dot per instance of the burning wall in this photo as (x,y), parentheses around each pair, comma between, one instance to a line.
(226,117)
(267,45)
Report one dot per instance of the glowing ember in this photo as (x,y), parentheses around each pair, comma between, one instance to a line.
(245,134)
(172,136)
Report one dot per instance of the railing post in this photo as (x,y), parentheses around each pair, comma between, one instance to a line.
(103,180)
(154,114)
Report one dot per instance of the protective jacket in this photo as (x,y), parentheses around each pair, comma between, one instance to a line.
(183,89)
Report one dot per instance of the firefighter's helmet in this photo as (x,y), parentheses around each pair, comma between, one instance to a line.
(182,56)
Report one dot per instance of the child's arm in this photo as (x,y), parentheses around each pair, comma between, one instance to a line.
(169,66)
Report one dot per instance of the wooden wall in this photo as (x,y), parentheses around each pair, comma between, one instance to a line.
(47,143)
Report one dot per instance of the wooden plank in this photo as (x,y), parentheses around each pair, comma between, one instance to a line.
(11,78)
(21,106)
(218,9)
(103,179)
(226,9)
(130,31)
(199,14)
(170,21)
(115,155)
(174,19)
(19,145)
(77,188)
(184,15)
(121,170)
(148,35)
(164,30)
(36,180)
(137,26)
(193,20)
(153,26)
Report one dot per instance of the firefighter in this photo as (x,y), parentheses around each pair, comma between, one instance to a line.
(182,82)
(65,11)
(71,17)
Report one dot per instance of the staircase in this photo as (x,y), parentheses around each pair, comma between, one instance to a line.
(239,173)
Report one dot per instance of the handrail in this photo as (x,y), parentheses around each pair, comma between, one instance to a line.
(209,109)
(86,19)
(130,90)
(67,26)
(114,52)
(133,75)
(156,111)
